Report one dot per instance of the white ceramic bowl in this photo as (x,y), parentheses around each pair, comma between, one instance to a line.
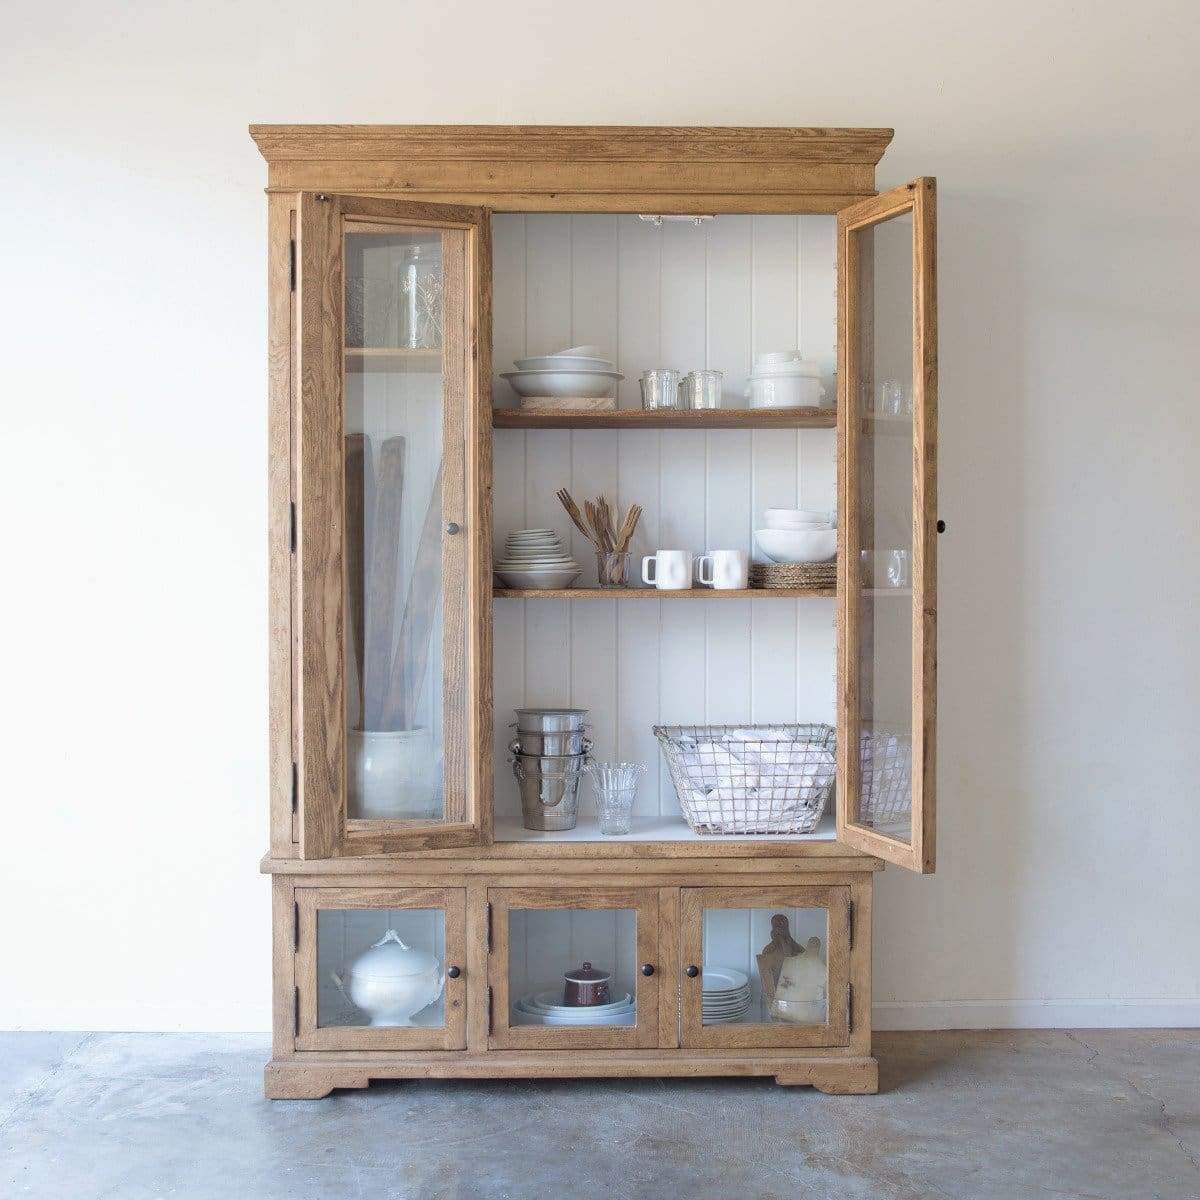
(563,362)
(556,578)
(797,545)
(795,518)
(563,383)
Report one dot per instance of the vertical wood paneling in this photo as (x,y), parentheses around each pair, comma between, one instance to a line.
(685,297)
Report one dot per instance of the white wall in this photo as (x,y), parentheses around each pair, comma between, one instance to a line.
(133,476)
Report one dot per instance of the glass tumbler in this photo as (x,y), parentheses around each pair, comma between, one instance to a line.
(612,570)
(660,388)
(616,788)
(702,389)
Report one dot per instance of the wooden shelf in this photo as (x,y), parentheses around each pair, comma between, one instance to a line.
(696,593)
(668,418)
(391,358)
(666,828)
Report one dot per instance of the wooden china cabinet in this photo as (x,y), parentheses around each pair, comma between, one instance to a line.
(402,260)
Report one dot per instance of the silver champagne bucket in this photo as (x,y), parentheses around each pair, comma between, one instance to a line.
(549,786)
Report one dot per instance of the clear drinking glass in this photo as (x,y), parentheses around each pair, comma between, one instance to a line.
(660,388)
(702,389)
(612,570)
(616,789)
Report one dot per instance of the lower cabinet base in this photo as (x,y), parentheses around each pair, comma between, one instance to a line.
(306,1079)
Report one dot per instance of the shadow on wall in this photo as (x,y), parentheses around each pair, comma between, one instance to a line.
(986,819)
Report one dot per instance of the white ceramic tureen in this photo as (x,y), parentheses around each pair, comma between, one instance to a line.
(391,982)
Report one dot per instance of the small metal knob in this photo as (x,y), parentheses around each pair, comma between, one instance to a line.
(453,527)
(941,527)
(453,972)
(692,971)
(647,968)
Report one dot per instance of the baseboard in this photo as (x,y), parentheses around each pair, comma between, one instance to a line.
(1037,1014)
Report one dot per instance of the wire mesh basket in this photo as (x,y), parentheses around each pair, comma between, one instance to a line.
(885,774)
(752,778)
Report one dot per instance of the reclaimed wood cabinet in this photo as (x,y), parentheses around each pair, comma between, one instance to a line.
(406,265)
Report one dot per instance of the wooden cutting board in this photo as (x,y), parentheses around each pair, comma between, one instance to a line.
(550,404)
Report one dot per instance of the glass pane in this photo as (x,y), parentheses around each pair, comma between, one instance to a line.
(885,527)
(765,965)
(381,967)
(572,967)
(404,456)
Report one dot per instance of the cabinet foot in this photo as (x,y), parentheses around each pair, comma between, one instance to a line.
(283,1081)
(849,1077)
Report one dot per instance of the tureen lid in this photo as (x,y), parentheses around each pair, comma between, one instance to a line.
(392,958)
(587,974)
(785,362)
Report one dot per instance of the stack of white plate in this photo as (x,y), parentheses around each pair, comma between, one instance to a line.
(578,371)
(727,995)
(546,1008)
(536,558)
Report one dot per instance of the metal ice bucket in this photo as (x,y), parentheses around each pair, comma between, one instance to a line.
(549,785)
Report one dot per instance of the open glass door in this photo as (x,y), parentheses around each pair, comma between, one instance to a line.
(887,528)
(393,447)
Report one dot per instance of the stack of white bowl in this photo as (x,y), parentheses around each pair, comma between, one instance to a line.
(797,535)
(726,997)
(536,558)
(546,1008)
(578,372)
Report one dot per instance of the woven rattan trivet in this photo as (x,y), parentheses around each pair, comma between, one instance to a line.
(793,575)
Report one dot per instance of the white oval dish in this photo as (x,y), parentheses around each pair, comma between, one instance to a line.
(563,383)
(563,362)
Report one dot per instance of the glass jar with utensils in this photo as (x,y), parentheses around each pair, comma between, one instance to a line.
(612,569)
(616,789)
(701,389)
(660,388)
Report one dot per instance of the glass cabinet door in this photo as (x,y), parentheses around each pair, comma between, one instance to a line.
(573,968)
(765,967)
(381,969)
(887,528)
(394,596)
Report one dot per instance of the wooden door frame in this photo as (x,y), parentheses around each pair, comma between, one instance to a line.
(920,199)
(648,993)
(835,899)
(452,901)
(323,830)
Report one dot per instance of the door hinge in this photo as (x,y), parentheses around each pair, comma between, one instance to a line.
(292,264)
(849,1007)
(296,1011)
(292,526)
(489,1011)
(295,786)
(488,917)
(296,927)
(850,925)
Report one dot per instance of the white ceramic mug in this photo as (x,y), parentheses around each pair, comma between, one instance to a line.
(668,570)
(728,570)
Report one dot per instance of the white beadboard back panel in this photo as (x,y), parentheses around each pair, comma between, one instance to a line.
(686,297)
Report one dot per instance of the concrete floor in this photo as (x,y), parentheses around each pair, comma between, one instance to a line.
(984,1116)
